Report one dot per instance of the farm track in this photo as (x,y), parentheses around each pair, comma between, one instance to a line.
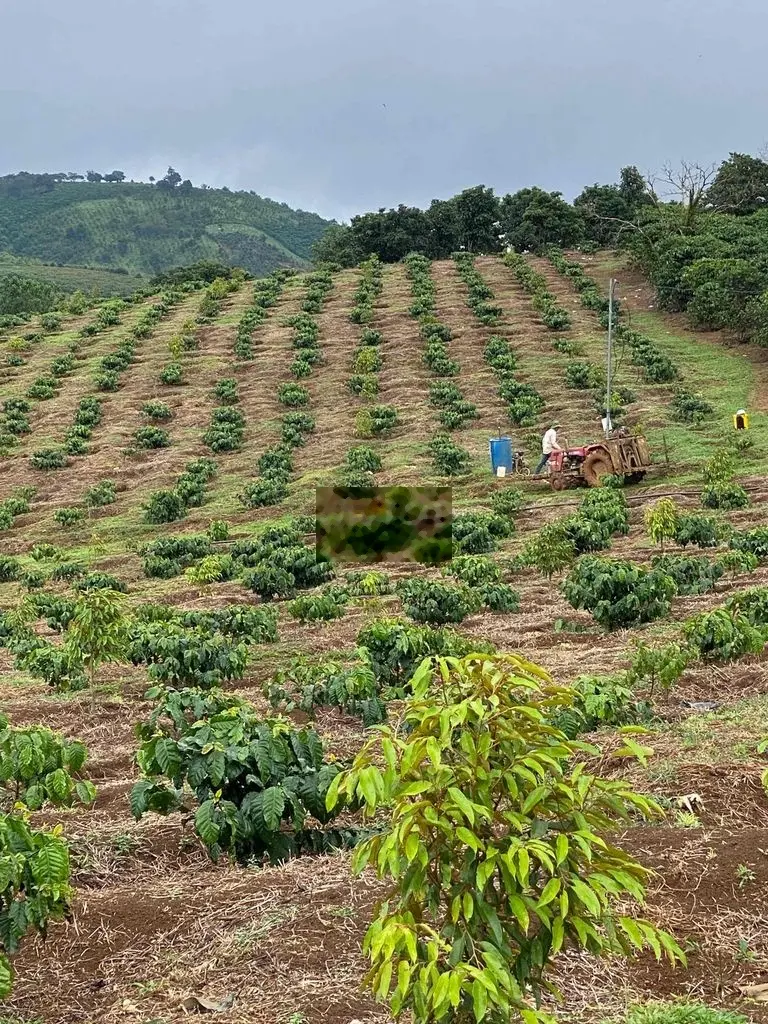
(154,921)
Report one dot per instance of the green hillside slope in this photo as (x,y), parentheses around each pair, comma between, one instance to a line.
(70,278)
(145,229)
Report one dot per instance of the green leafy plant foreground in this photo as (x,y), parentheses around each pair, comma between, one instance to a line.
(256,782)
(493,847)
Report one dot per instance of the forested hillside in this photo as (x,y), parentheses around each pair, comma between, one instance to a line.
(700,234)
(146,228)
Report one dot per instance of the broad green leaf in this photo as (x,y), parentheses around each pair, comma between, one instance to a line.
(520,911)
(6,976)
(587,896)
(550,891)
(461,801)
(272,807)
(467,837)
(479,1000)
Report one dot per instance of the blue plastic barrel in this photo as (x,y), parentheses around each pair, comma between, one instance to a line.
(501,453)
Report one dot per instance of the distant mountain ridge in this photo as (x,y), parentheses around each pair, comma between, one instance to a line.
(145,228)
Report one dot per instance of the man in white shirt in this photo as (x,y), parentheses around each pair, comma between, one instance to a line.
(548,445)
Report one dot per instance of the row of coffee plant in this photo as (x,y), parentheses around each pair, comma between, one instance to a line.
(107,378)
(276,464)
(17,505)
(15,420)
(553,315)
(656,366)
(620,594)
(181,344)
(367,358)
(266,293)
(479,291)
(387,652)
(524,403)
(360,463)
(448,458)
(169,504)
(581,375)
(214,295)
(225,434)
(602,513)
(108,315)
(19,346)
(306,330)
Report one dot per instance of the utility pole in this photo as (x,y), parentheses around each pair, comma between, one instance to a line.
(609,373)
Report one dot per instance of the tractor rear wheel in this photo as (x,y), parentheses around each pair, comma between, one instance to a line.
(595,467)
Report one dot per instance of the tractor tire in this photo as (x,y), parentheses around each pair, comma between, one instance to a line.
(595,467)
(557,482)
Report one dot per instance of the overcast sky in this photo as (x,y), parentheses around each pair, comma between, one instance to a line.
(341,106)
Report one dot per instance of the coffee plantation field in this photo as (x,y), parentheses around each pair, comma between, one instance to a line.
(161,604)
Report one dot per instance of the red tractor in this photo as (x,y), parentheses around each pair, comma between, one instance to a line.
(620,454)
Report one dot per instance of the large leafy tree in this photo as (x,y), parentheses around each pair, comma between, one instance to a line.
(532,219)
(391,234)
(605,211)
(720,290)
(442,228)
(611,211)
(20,295)
(634,189)
(337,245)
(477,219)
(741,185)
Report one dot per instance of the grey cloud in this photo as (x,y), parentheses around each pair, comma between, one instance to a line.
(344,106)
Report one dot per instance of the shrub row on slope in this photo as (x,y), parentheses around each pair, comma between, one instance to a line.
(448,458)
(276,463)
